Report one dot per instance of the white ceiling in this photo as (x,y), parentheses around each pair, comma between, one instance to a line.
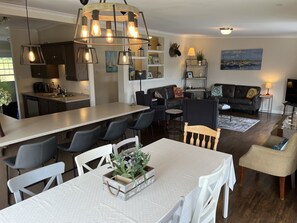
(249,18)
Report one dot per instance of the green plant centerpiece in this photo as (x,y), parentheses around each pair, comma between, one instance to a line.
(130,164)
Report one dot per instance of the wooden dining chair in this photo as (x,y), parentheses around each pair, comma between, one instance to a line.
(202,136)
(19,184)
(126,144)
(101,152)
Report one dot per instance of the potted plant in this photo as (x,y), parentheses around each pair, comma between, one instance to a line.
(200,57)
(130,164)
(130,174)
(5,99)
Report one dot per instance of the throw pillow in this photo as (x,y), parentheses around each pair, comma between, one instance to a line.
(157,94)
(217,91)
(252,92)
(178,92)
(281,145)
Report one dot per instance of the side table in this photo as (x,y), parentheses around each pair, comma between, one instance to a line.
(174,113)
(269,99)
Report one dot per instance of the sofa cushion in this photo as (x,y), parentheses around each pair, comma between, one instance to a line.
(228,90)
(242,101)
(178,92)
(281,145)
(223,100)
(252,92)
(157,94)
(217,91)
(174,103)
(241,91)
(169,91)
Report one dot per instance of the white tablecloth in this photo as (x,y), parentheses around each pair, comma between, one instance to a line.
(83,199)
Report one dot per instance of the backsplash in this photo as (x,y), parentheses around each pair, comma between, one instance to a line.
(71,86)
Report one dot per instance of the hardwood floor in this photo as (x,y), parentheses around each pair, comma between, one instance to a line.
(258,199)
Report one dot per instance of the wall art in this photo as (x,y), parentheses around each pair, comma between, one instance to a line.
(247,59)
(111,61)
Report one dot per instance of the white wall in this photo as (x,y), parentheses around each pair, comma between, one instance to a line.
(278,63)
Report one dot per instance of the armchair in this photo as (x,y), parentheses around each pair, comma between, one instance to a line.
(273,162)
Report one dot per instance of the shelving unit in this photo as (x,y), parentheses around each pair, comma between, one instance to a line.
(152,62)
(196,77)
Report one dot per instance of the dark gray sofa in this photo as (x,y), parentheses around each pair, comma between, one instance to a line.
(168,96)
(235,96)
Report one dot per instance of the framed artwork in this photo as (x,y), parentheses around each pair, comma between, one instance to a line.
(111,61)
(189,74)
(250,59)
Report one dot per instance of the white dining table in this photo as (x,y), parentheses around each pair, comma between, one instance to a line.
(85,200)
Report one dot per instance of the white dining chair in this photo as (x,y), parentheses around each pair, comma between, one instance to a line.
(210,187)
(126,142)
(173,215)
(102,152)
(19,184)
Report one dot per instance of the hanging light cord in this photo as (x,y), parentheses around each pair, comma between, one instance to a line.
(28,26)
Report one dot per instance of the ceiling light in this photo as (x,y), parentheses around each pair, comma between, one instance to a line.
(110,24)
(226,31)
(31,54)
(114,16)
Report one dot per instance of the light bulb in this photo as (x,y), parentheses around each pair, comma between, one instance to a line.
(109,38)
(131,24)
(136,33)
(87,56)
(84,27)
(31,56)
(124,58)
(96,30)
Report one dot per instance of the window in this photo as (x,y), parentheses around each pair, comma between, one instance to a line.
(6,69)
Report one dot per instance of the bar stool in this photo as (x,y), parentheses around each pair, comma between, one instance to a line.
(81,142)
(31,156)
(115,130)
(144,120)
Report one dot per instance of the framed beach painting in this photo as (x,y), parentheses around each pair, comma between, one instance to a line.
(111,61)
(247,59)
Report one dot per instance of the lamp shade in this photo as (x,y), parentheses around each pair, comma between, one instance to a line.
(87,55)
(191,52)
(268,85)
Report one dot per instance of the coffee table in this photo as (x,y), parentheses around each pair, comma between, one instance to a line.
(174,113)
(225,107)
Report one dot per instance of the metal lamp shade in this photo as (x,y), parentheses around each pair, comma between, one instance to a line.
(87,55)
(32,55)
(125,58)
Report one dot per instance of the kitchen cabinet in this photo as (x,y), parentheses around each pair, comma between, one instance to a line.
(53,53)
(44,71)
(74,71)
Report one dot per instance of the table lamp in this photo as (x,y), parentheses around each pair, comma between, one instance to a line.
(191,53)
(268,85)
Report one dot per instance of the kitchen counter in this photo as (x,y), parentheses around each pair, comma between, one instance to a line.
(17,131)
(72,97)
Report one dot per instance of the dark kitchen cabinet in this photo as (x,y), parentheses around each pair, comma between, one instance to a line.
(54,53)
(45,71)
(74,71)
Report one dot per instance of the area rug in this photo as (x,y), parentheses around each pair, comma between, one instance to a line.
(237,123)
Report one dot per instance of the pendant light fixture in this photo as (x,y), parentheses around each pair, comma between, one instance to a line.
(31,54)
(87,55)
(114,16)
(100,24)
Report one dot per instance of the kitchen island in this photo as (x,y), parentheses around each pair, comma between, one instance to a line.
(17,131)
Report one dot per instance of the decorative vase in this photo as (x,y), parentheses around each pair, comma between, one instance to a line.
(1,131)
